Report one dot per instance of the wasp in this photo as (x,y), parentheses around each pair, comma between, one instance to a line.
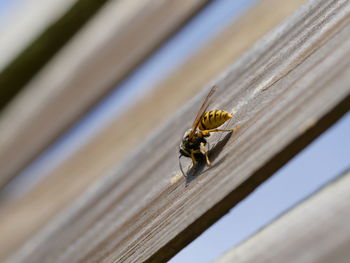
(206,122)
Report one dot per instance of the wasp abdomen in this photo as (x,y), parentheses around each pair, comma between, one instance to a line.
(213,119)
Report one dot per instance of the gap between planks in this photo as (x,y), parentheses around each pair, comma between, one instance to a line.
(315,231)
(121,217)
(34,210)
(120,37)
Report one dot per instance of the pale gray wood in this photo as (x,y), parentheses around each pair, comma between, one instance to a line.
(119,38)
(26,210)
(288,89)
(26,21)
(317,230)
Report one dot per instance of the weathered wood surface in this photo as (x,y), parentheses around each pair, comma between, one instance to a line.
(116,40)
(18,29)
(288,89)
(317,230)
(34,33)
(33,210)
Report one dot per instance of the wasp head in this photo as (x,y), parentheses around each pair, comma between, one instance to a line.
(185,144)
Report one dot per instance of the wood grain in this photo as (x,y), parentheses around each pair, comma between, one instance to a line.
(35,34)
(317,230)
(25,22)
(33,210)
(113,43)
(290,87)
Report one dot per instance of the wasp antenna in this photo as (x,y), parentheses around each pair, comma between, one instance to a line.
(181,166)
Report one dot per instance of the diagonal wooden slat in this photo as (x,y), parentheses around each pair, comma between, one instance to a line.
(35,33)
(33,210)
(41,204)
(111,45)
(285,91)
(24,22)
(317,230)
(115,141)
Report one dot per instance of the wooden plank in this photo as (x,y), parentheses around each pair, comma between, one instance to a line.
(120,36)
(116,141)
(317,230)
(285,91)
(34,35)
(107,149)
(25,22)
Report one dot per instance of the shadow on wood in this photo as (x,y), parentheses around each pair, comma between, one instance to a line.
(214,152)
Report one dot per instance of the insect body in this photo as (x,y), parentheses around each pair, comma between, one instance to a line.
(213,119)
(206,122)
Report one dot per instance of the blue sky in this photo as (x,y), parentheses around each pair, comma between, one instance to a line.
(321,161)
(196,33)
(6,7)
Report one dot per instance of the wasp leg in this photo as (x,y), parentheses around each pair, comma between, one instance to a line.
(194,161)
(206,132)
(204,150)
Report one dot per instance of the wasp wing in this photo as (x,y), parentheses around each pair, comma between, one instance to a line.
(201,111)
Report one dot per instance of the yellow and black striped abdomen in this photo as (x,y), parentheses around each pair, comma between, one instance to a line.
(213,119)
